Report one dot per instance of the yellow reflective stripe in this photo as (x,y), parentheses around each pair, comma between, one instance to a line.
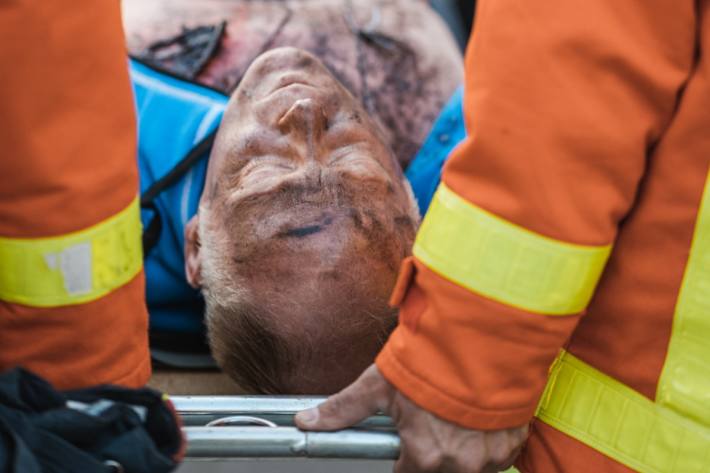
(684,385)
(505,262)
(617,421)
(671,435)
(74,268)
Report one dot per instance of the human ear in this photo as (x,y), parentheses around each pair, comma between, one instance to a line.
(193,259)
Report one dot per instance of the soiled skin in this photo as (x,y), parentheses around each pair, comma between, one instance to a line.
(306,216)
(402,81)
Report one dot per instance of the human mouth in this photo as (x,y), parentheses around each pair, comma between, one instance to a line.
(291,80)
(289,96)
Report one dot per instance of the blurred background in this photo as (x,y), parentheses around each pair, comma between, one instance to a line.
(459,16)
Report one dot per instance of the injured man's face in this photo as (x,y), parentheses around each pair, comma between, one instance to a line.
(303,222)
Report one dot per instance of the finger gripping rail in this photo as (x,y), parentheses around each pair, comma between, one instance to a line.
(226,437)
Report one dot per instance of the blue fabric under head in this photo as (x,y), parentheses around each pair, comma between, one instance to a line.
(173,116)
(424,172)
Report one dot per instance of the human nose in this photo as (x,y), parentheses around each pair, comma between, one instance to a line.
(304,121)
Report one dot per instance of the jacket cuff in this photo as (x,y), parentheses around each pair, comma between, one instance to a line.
(439,403)
(467,359)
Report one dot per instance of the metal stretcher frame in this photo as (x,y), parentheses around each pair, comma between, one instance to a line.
(224,427)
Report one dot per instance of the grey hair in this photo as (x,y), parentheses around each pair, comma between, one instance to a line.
(219,287)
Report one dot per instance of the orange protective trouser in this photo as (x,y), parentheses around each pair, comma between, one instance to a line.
(68,136)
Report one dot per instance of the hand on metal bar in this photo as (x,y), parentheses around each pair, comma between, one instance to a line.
(428,443)
(201,410)
(223,427)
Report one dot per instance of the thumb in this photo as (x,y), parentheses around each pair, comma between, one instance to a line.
(365,397)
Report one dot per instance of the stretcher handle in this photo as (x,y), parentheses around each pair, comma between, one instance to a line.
(240,420)
(289,442)
(201,410)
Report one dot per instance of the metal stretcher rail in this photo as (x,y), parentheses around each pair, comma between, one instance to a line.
(262,427)
(200,410)
(280,442)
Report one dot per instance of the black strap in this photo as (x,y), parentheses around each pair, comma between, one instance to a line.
(151,234)
(188,52)
(181,168)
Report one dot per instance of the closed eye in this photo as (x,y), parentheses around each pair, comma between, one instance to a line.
(269,162)
(345,152)
(353,160)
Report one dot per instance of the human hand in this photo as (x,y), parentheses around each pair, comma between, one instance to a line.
(428,444)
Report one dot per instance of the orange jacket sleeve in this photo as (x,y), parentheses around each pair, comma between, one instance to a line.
(68,135)
(563,101)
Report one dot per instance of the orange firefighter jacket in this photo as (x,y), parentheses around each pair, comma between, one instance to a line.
(71,284)
(563,270)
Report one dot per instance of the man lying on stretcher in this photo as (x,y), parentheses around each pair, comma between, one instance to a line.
(296,221)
